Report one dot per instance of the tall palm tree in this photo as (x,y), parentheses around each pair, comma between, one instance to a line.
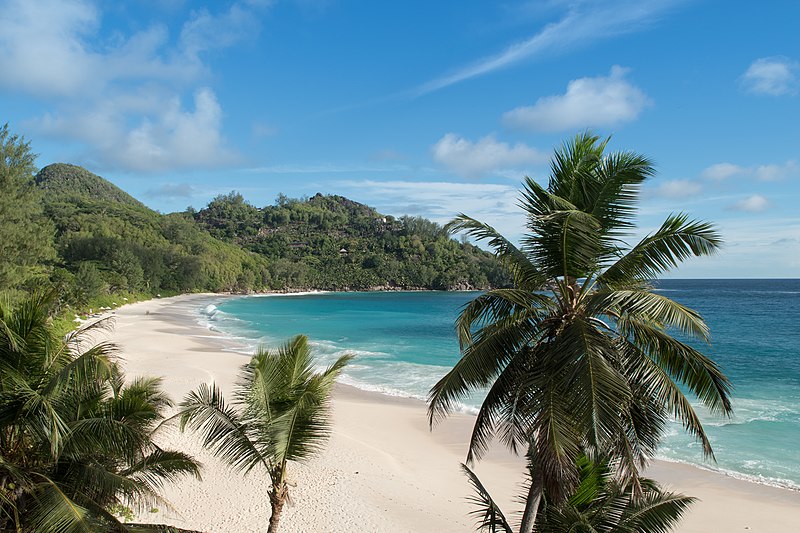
(75,439)
(578,356)
(280,413)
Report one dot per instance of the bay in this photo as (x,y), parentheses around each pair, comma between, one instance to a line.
(405,341)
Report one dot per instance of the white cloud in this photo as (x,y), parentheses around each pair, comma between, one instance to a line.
(601,101)
(774,76)
(769,172)
(440,201)
(119,98)
(583,24)
(205,31)
(777,172)
(486,156)
(752,204)
(178,138)
(678,189)
(722,171)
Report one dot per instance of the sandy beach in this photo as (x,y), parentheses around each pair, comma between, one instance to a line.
(383,469)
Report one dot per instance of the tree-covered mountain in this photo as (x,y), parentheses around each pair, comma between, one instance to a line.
(331,242)
(67,181)
(107,241)
(67,227)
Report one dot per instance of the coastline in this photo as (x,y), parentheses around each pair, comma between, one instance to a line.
(383,470)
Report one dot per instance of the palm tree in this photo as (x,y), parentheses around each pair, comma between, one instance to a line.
(75,439)
(578,356)
(600,504)
(280,413)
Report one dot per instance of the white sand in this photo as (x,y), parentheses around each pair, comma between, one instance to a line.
(383,470)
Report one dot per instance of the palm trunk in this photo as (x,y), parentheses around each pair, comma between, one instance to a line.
(277,497)
(532,503)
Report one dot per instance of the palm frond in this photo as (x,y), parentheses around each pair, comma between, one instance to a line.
(619,176)
(676,240)
(683,363)
(490,351)
(505,409)
(519,265)
(648,307)
(223,430)
(487,513)
(54,511)
(656,512)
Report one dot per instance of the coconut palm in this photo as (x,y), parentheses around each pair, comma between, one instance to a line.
(579,355)
(75,439)
(601,504)
(280,413)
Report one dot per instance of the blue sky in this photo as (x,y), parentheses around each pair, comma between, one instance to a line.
(423,108)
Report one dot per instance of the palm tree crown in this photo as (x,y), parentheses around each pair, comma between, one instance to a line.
(280,413)
(578,356)
(75,439)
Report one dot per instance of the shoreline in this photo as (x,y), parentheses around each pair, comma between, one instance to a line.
(374,434)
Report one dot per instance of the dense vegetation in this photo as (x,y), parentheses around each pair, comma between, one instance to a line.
(76,437)
(330,242)
(26,235)
(109,242)
(67,227)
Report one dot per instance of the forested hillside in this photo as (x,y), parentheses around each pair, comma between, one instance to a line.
(331,242)
(108,241)
(66,227)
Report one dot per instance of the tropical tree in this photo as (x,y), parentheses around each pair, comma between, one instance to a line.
(75,438)
(579,355)
(26,235)
(280,413)
(600,504)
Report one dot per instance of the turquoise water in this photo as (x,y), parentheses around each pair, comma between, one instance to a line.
(405,341)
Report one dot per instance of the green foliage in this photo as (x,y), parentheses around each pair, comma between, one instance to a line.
(112,244)
(65,181)
(94,240)
(281,413)
(330,242)
(26,236)
(600,504)
(76,439)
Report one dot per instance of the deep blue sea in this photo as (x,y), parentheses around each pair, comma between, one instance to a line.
(405,341)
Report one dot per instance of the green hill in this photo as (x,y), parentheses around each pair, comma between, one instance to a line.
(331,242)
(65,180)
(109,242)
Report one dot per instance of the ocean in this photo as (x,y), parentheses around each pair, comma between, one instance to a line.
(405,341)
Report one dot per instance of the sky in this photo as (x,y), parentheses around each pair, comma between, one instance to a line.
(422,108)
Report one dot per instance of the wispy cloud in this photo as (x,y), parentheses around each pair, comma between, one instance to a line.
(767,172)
(722,171)
(120,98)
(440,201)
(584,23)
(601,101)
(777,172)
(323,168)
(677,189)
(171,190)
(486,156)
(773,76)
(752,204)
